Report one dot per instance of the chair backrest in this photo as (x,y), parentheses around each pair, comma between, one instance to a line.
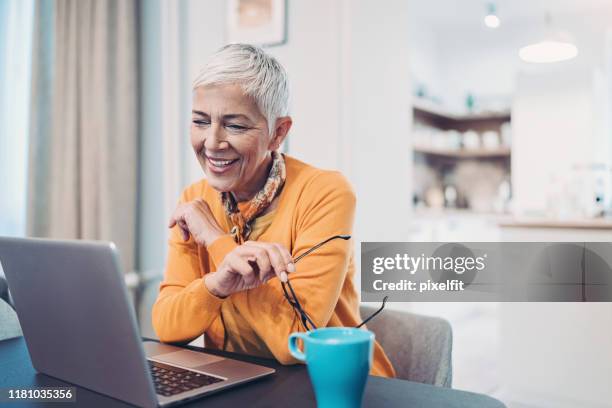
(419,347)
(9,325)
(147,295)
(4,292)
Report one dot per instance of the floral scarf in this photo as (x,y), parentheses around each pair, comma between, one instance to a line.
(242,219)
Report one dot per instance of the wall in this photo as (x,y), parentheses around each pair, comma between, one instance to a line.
(203,34)
(426,62)
(553,124)
(380,118)
(312,58)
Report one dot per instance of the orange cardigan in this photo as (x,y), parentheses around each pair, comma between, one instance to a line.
(313,205)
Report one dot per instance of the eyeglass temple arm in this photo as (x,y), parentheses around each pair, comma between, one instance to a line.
(344,237)
(375,313)
(303,315)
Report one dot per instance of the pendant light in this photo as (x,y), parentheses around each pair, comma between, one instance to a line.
(491,20)
(556,46)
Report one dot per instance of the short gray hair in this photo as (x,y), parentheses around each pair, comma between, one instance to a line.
(260,75)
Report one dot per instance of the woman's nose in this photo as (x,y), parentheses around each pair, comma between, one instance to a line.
(215,139)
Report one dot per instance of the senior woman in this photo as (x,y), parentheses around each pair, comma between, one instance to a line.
(235,234)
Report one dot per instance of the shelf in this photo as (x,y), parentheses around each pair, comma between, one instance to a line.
(577,223)
(463,153)
(431,109)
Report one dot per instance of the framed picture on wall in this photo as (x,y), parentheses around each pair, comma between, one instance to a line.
(258,22)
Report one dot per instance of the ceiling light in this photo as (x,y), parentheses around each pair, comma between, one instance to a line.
(491,20)
(548,51)
(556,46)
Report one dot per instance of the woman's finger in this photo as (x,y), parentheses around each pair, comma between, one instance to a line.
(266,271)
(274,259)
(176,215)
(287,258)
(240,265)
(184,227)
(278,263)
(285,255)
(178,220)
(262,258)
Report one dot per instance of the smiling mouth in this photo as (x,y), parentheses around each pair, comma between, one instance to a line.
(220,164)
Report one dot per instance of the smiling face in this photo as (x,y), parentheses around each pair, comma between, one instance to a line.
(231,140)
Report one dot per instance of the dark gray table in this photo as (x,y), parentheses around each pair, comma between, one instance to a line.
(288,387)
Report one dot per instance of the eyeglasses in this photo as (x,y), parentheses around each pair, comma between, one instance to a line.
(291,297)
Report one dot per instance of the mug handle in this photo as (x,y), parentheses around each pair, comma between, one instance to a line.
(293,349)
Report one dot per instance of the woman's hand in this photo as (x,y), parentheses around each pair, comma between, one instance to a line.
(196,219)
(249,266)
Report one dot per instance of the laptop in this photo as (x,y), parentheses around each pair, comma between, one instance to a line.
(80,327)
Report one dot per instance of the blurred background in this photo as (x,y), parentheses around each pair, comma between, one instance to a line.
(454,121)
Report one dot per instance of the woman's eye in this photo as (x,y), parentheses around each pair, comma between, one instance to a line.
(200,123)
(237,127)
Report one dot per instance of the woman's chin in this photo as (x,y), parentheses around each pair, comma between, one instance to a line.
(219,185)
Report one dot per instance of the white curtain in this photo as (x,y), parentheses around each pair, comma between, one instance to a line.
(84,122)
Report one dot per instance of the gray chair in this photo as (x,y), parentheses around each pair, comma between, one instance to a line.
(147,294)
(4,292)
(9,324)
(419,347)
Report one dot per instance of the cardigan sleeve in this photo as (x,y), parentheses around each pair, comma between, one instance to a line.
(184,308)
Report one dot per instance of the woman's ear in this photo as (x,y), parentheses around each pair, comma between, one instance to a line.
(281,129)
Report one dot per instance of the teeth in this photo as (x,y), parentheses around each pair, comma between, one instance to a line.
(220,163)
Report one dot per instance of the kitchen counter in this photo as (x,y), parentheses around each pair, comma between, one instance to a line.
(459,225)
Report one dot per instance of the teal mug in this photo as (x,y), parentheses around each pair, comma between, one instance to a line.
(338,361)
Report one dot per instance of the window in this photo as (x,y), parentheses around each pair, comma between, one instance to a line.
(16,19)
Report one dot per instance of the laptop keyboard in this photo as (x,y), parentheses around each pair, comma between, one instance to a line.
(171,380)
